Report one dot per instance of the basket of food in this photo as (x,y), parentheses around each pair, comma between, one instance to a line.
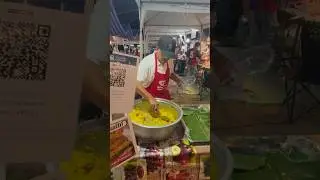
(147,126)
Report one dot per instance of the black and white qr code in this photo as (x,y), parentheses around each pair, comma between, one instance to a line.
(24,50)
(118,77)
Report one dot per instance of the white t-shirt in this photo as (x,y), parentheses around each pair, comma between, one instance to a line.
(147,67)
(97,44)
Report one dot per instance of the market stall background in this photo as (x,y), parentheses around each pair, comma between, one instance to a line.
(170,18)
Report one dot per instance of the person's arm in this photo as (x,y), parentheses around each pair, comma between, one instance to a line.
(173,76)
(145,94)
(94,87)
(142,91)
(176,79)
(142,78)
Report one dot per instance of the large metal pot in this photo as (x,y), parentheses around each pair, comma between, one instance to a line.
(158,132)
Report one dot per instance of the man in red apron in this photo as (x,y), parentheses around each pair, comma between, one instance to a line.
(154,72)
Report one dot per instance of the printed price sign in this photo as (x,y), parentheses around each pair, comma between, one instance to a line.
(123,78)
(122,141)
(42,53)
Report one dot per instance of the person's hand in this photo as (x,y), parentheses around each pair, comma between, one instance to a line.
(154,105)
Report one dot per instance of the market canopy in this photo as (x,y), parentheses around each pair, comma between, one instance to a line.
(159,17)
(175,13)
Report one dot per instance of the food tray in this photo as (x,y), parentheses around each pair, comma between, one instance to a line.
(194,142)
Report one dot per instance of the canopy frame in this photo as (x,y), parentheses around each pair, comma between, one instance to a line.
(164,6)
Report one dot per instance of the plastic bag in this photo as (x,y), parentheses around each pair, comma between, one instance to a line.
(189,86)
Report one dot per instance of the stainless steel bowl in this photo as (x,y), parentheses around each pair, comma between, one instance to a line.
(158,132)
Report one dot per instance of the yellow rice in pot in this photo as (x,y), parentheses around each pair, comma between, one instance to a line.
(141,115)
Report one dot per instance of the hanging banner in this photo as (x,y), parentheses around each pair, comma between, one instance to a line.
(41,66)
(123,78)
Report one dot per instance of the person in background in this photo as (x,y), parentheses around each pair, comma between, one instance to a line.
(137,53)
(121,48)
(175,60)
(155,71)
(111,49)
(193,59)
(181,58)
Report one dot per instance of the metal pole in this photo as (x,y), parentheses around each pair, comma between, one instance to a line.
(142,13)
(146,43)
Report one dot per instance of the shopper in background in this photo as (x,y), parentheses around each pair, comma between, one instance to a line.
(193,59)
(181,58)
(111,49)
(175,60)
(137,53)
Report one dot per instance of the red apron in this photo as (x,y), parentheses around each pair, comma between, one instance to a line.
(159,86)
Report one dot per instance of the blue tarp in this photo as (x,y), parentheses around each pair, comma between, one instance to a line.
(116,29)
(127,14)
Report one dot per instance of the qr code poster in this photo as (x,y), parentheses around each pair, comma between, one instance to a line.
(24,50)
(123,77)
(42,56)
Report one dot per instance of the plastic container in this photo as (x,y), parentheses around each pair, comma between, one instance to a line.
(189,86)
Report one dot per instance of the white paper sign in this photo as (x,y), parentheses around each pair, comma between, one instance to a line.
(42,52)
(123,78)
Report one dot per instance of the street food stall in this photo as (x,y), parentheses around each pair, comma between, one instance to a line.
(175,144)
